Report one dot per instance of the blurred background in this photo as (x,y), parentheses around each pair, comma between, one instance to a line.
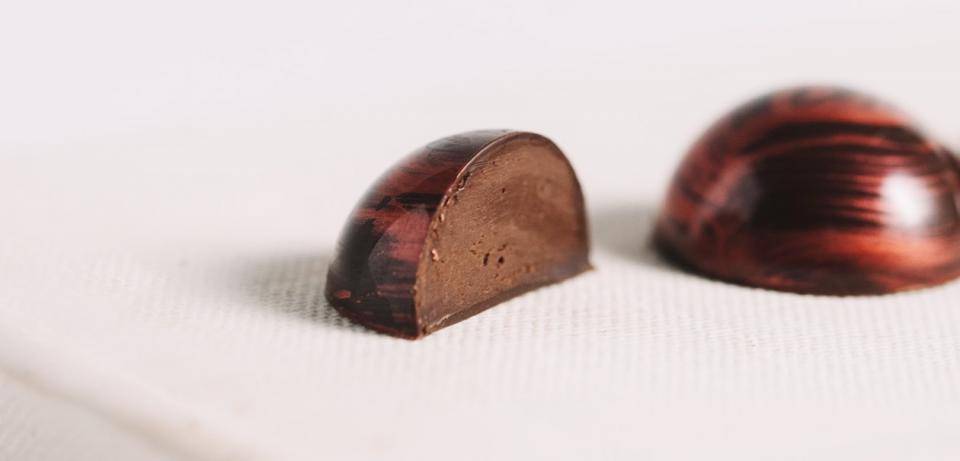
(313,86)
(174,174)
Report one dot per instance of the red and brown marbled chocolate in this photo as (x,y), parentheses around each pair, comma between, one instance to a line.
(461,224)
(816,190)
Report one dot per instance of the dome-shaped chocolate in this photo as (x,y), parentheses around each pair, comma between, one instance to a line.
(458,226)
(816,190)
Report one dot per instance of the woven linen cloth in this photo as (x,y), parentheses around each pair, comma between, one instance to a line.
(170,307)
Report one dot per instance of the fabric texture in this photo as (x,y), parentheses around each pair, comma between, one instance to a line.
(173,309)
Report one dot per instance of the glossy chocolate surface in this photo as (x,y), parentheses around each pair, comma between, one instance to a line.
(456,227)
(816,190)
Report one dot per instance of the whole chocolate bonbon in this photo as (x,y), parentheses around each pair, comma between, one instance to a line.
(816,190)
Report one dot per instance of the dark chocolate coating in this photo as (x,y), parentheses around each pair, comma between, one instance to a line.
(816,190)
(374,277)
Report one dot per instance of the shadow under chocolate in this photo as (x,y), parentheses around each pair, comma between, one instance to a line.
(292,285)
(626,231)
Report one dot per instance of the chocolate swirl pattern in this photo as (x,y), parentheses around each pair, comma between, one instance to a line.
(456,227)
(816,190)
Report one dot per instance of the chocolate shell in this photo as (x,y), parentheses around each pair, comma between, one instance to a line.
(816,190)
(458,226)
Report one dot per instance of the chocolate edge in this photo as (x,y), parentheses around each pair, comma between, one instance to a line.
(351,288)
(579,264)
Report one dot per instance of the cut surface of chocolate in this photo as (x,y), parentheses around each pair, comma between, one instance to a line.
(458,226)
(816,190)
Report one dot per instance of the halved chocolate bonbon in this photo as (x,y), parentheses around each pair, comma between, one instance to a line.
(458,226)
(816,190)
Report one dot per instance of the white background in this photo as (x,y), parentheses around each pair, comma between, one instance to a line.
(173,176)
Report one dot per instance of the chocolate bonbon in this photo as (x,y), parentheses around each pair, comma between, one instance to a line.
(456,227)
(816,190)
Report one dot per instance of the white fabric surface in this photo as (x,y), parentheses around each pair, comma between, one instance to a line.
(180,305)
(170,202)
